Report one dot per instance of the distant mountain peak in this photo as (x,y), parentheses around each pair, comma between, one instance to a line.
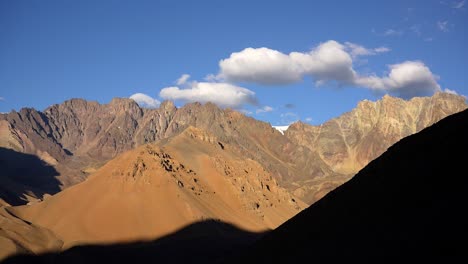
(310,160)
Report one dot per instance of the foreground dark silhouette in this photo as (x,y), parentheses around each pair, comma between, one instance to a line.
(22,173)
(408,203)
(203,242)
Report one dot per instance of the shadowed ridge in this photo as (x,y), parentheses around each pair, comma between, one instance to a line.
(409,202)
(24,175)
(200,242)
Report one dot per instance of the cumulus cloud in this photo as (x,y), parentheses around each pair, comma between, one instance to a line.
(144,100)
(329,61)
(260,65)
(264,109)
(222,94)
(308,119)
(406,80)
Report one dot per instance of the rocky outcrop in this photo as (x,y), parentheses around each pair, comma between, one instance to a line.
(349,142)
(158,188)
(409,203)
(79,136)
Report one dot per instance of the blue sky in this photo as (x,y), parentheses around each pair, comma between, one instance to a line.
(278,61)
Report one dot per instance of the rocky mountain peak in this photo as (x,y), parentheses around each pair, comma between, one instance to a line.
(349,142)
(167,106)
(125,105)
(310,160)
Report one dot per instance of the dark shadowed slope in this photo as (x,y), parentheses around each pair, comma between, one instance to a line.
(201,242)
(23,175)
(410,202)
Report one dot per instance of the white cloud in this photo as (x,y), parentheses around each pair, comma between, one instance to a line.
(392,32)
(357,50)
(327,62)
(308,119)
(442,26)
(260,65)
(459,5)
(222,94)
(144,100)
(183,79)
(264,109)
(406,80)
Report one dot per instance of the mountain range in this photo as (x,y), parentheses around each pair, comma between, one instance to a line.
(77,137)
(95,173)
(406,204)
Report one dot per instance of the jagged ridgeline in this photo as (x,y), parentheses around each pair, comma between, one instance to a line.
(77,137)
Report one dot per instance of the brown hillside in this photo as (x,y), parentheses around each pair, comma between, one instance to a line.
(156,189)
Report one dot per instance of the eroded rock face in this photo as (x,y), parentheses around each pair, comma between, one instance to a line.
(79,136)
(407,202)
(158,188)
(348,143)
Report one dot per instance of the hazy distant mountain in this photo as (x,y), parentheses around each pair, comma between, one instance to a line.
(406,204)
(77,137)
